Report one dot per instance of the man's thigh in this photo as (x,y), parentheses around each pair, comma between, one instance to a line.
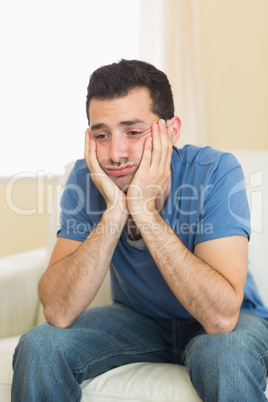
(106,337)
(119,328)
(251,331)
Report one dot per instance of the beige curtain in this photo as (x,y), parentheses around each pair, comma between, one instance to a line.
(170,38)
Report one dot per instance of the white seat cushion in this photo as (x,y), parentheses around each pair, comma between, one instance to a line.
(7,346)
(160,382)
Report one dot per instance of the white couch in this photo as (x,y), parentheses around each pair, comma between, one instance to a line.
(20,309)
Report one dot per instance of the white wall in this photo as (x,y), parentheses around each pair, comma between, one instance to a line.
(48,50)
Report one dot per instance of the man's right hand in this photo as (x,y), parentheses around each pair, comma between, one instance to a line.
(114,197)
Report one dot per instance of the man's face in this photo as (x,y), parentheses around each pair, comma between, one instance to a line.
(117,126)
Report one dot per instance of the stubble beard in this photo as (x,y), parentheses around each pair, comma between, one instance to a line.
(122,182)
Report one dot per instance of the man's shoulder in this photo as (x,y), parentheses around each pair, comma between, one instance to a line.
(204,156)
(80,164)
(77,170)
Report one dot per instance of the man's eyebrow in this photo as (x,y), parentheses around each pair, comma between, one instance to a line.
(100,126)
(131,122)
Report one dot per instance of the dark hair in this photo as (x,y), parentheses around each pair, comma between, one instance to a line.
(117,79)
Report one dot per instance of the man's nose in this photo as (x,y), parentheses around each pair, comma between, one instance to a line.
(118,149)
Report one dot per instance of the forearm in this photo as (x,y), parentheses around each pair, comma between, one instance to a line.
(69,286)
(204,292)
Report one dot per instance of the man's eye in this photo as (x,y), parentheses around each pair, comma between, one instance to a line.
(101,137)
(134,133)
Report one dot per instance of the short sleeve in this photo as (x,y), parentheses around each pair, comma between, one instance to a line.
(225,210)
(74,219)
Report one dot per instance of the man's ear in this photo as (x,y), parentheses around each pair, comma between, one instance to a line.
(175,123)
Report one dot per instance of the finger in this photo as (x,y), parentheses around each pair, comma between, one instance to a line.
(167,163)
(169,147)
(166,134)
(90,153)
(166,143)
(87,138)
(156,152)
(146,156)
(146,132)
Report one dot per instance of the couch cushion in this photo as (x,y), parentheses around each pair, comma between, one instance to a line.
(7,347)
(141,382)
(19,276)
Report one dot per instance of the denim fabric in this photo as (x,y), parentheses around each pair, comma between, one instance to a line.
(50,363)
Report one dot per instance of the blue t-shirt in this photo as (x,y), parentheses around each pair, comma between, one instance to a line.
(207,201)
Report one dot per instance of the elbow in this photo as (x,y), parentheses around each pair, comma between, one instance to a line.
(222,325)
(225,321)
(55,319)
(54,316)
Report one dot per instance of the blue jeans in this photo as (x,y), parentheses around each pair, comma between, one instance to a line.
(50,363)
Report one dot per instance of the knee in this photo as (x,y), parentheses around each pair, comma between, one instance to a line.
(218,351)
(40,340)
(225,364)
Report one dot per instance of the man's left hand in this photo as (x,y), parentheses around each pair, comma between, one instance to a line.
(151,182)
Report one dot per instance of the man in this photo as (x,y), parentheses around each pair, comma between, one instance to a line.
(162,219)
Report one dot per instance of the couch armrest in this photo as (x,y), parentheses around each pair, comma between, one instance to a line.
(19,276)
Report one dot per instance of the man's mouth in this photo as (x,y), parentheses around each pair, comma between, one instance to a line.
(120,170)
